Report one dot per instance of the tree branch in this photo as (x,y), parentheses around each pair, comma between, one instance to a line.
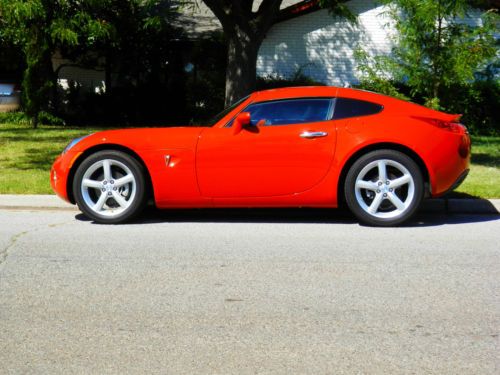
(266,14)
(221,9)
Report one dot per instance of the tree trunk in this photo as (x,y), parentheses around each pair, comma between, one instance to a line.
(34,121)
(245,30)
(241,65)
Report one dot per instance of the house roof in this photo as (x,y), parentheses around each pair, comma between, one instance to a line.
(198,21)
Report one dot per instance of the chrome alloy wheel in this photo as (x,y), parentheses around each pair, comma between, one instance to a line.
(108,187)
(384,189)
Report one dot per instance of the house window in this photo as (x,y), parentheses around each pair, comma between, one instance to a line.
(291,111)
(346,108)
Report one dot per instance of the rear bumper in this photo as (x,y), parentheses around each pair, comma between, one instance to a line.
(460,179)
(451,159)
(458,182)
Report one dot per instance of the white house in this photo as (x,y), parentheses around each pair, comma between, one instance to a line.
(323,46)
(305,37)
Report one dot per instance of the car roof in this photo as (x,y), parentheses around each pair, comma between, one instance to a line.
(316,91)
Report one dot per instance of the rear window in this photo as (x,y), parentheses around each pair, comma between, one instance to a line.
(346,108)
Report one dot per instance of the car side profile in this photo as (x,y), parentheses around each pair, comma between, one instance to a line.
(291,147)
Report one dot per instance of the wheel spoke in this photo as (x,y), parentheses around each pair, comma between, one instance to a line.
(100,203)
(109,188)
(405,179)
(120,200)
(375,204)
(106,165)
(368,185)
(92,183)
(382,171)
(124,180)
(396,201)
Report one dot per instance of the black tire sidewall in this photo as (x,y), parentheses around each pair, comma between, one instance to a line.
(358,165)
(140,195)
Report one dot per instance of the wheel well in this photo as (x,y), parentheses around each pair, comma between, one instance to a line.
(83,156)
(381,146)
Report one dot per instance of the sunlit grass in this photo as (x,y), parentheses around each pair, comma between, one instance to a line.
(484,177)
(27,154)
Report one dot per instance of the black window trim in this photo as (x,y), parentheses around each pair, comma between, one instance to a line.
(330,108)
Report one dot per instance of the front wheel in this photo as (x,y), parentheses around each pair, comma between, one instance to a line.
(384,188)
(109,187)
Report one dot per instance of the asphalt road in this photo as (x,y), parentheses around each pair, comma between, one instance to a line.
(248,291)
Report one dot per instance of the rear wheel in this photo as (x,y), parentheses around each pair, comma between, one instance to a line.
(109,187)
(384,188)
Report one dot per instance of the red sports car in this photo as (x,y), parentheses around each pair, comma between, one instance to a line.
(292,147)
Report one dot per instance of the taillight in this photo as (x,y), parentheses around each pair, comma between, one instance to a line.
(465,145)
(450,123)
(454,127)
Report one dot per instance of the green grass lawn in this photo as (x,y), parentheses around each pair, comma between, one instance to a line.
(484,178)
(27,154)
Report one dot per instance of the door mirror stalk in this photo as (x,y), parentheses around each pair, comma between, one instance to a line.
(242,120)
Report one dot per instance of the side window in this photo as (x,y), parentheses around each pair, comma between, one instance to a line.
(288,112)
(346,108)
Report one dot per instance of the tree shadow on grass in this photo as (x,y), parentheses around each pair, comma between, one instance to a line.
(486,160)
(35,159)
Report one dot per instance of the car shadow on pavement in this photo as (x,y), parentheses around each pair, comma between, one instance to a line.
(288,215)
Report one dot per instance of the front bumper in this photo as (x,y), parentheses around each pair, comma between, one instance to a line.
(59,174)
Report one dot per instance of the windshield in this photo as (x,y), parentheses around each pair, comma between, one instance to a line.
(220,115)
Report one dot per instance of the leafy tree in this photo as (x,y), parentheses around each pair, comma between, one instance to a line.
(435,50)
(245,29)
(39,27)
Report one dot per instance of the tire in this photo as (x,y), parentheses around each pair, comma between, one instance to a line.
(384,201)
(109,187)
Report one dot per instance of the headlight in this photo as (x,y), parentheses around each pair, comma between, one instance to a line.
(73,142)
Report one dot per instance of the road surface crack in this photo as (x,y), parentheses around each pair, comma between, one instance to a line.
(16,237)
(5,252)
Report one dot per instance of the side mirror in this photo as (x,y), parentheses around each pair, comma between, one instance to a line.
(243,119)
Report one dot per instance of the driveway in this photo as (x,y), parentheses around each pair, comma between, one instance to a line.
(248,291)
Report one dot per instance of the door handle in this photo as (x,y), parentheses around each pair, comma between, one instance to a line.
(313,134)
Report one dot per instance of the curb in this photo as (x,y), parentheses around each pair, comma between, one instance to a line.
(462,206)
(439,205)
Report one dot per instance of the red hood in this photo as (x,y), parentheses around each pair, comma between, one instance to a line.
(144,138)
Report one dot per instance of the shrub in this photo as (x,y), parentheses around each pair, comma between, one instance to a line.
(17,118)
(476,101)
(274,81)
(20,118)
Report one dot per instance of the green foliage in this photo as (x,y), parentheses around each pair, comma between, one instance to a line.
(132,35)
(373,75)
(338,8)
(39,28)
(47,118)
(21,118)
(434,49)
(205,82)
(436,56)
(298,78)
(478,102)
(17,118)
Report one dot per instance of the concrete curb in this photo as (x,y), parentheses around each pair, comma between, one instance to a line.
(462,206)
(442,205)
(34,202)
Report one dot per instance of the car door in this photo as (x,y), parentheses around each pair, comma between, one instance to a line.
(287,149)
